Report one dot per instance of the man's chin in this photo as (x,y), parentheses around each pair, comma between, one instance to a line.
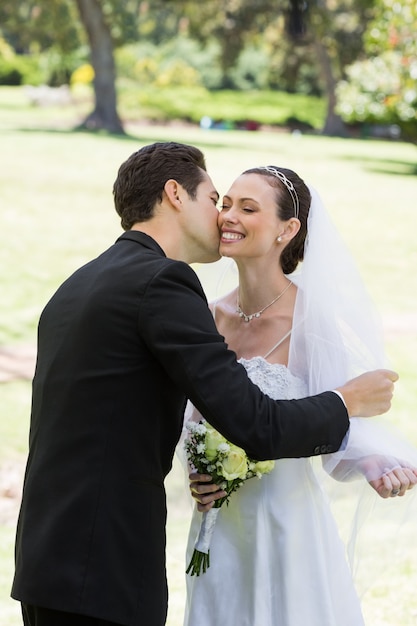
(212,258)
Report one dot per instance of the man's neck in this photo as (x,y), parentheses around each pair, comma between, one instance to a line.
(165,237)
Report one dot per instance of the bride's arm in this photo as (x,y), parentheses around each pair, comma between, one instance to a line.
(379,455)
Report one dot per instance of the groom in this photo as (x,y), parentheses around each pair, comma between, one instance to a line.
(121,345)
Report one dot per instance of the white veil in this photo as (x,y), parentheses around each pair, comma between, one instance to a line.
(337,335)
(336,331)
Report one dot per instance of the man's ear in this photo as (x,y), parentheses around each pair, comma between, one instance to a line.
(173,192)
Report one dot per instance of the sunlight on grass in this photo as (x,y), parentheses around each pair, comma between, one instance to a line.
(14,422)
(275,108)
(9,609)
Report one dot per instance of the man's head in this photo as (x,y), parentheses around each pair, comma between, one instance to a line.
(141,178)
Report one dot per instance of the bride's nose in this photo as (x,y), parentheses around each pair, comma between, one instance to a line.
(228,217)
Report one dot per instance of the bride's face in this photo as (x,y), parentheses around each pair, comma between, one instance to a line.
(248,220)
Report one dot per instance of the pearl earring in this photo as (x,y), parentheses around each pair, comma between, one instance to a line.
(279,239)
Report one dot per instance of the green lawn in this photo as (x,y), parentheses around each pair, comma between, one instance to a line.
(57,212)
(230,107)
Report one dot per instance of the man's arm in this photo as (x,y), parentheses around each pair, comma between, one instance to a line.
(177,326)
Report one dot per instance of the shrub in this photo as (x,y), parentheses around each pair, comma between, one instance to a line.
(251,70)
(9,73)
(177,73)
(381,90)
(83,75)
(178,62)
(20,70)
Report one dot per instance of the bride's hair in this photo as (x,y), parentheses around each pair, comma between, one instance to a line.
(293,252)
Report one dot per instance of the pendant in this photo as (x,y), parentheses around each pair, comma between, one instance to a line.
(247,318)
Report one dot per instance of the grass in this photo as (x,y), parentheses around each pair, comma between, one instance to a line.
(178,103)
(57,213)
(266,107)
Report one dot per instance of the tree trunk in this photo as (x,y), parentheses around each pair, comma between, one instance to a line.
(334,126)
(104,116)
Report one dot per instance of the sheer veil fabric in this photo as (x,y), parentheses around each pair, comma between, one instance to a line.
(337,334)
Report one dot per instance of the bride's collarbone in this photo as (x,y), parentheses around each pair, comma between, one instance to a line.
(258,329)
(249,345)
(257,337)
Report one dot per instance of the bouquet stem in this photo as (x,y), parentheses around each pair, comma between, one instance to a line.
(200,560)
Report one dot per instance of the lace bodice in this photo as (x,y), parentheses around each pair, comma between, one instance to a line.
(274,379)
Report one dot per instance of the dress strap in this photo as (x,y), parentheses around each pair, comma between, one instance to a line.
(278,344)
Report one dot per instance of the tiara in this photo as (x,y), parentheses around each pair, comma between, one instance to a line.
(288,184)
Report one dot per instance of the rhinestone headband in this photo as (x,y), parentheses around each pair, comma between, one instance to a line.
(288,184)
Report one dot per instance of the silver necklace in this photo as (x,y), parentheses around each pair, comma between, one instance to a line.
(248,318)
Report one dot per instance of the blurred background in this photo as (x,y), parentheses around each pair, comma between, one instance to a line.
(342,67)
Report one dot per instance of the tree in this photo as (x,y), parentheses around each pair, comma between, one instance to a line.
(334,31)
(231,23)
(383,87)
(324,33)
(54,26)
(39,25)
(104,115)
(46,28)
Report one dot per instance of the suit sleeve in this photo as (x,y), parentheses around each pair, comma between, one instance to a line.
(175,322)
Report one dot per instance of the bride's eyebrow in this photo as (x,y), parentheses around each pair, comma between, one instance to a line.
(250,199)
(226,197)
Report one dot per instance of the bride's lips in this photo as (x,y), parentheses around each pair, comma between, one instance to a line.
(230,236)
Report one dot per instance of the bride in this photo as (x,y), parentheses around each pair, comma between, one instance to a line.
(300,322)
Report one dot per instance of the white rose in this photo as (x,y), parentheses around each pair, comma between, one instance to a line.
(234,465)
(263,467)
(213,440)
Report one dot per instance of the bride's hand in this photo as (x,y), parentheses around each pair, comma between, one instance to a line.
(395,483)
(204,491)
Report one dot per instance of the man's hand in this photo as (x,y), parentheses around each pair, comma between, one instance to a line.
(204,491)
(369,394)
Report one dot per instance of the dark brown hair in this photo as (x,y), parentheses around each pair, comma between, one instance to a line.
(141,178)
(293,252)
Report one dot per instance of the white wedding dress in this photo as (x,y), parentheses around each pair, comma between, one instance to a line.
(276,558)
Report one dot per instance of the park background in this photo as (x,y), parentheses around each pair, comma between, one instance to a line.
(271,104)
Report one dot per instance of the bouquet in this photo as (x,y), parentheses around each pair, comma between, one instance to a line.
(229,466)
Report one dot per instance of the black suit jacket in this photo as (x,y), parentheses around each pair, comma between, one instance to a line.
(121,345)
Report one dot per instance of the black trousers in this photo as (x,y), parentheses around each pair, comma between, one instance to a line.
(39,616)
